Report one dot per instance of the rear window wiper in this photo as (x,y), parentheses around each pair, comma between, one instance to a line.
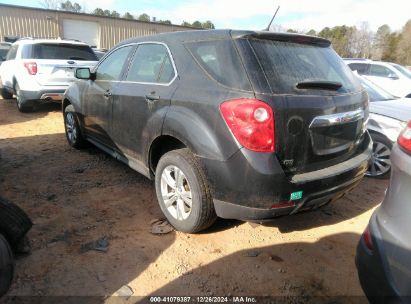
(319,84)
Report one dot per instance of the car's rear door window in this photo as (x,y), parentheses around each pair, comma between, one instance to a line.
(220,60)
(112,66)
(361,68)
(285,64)
(151,64)
(62,51)
(380,71)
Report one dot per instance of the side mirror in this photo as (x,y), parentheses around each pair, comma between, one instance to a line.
(83,73)
(393,76)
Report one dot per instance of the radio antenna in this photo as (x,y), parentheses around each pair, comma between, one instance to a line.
(272,19)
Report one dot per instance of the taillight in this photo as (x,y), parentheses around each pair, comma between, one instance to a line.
(252,123)
(404,140)
(31,67)
(367,238)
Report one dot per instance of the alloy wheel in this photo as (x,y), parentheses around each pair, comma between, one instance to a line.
(380,159)
(71,128)
(176,193)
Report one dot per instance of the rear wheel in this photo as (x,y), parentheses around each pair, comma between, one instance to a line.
(21,101)
(380,164)
(72,128)
(6,266)
(5,94)
(183,192)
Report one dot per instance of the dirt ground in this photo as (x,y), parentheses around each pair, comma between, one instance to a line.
(75,197)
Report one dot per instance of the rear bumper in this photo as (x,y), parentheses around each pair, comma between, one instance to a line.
(372,270)
(253,186)
(44,94)
(311,201)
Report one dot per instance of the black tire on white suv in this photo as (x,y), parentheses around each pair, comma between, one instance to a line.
(5,94)
(21,101)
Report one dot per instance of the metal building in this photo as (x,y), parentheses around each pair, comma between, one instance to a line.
(98,31)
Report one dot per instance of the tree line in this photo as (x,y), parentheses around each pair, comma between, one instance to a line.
(75,7)
(361,42)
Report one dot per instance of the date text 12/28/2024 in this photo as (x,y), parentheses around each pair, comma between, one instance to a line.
(203,299)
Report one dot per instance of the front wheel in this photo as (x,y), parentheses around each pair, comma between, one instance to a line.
(183,192)
(380,164)
(72,128)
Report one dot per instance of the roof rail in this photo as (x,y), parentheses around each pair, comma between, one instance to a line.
(32,38)
(49,38)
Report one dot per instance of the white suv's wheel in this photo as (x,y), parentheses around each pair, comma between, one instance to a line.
(21,101)
(183,192)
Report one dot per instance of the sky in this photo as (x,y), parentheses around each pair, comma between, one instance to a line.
(301,15)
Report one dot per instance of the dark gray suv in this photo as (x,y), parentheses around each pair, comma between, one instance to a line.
(236,124)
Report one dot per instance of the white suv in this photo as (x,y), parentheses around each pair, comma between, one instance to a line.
(41,69)
(392,77)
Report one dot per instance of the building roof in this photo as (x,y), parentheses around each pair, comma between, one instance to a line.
(92,15)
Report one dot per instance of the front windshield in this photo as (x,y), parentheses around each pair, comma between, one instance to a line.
(402,70)
(374,92)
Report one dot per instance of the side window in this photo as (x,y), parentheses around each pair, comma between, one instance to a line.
(152,64)
(11,55)
(380,71)
(111,67)
(220,60)
(361,68)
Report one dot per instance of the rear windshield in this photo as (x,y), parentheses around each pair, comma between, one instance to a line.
(287,63)
(61,51)
(220,60)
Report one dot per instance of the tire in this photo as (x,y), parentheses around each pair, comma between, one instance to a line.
(201,215)
(72,128)
(5,94)
(380,166)
(21,101)
(6,266)
(14,222)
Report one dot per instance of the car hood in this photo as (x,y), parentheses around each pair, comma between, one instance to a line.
(399,109)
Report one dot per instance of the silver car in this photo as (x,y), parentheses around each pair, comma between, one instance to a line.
(384,252)
(388,117)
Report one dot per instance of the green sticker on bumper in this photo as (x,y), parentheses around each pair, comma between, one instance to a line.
(296,195)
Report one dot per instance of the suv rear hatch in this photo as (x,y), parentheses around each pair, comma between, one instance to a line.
(319,106)
(57,62)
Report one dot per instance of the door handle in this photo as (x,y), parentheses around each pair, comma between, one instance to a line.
(107,93)
(152,98)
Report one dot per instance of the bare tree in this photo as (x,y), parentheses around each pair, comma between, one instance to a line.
(50,4)
(363,40)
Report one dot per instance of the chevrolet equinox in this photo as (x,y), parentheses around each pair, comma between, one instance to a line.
(236,124)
